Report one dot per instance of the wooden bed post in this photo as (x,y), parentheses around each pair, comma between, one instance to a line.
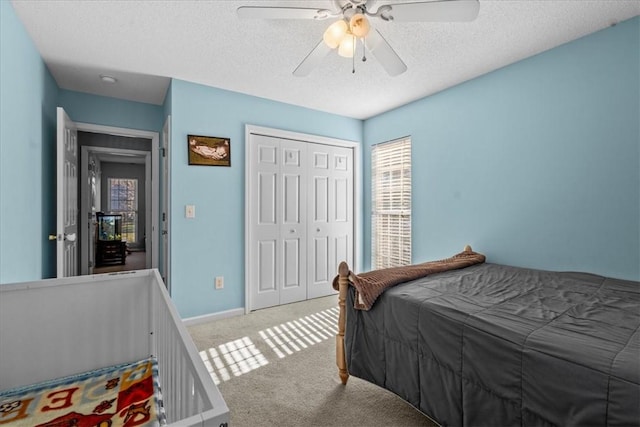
(343,287)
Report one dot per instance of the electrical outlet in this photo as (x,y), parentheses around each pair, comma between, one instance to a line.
(190,211)
(219,282)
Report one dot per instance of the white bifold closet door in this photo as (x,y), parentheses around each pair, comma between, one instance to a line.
(330,216)
(301,218)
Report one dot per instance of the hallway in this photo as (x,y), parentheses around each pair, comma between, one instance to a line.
(134,261)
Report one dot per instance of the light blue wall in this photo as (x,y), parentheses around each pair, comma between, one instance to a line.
(27,143)
(536,164)
(105,111)
(28,104)
(212,244)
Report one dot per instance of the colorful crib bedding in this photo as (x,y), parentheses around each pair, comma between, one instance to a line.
(122,395)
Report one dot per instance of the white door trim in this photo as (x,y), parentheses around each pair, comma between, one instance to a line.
(166,208)
(152,217)
(303,137)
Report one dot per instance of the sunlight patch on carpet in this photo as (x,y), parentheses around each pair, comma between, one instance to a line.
(232,359)
(241,356)
(287,338)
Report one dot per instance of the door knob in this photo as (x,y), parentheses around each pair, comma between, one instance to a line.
(53,237)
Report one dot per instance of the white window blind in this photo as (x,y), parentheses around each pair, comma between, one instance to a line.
(391,203)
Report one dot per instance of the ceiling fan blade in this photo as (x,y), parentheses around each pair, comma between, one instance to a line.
(431,11)
(385,54)
(259,12)
(313,59)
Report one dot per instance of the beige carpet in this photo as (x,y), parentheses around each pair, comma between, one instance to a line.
(276,367)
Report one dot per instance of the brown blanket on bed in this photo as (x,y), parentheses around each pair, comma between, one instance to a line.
(370,285)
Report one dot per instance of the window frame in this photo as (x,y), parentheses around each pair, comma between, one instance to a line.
(391,203)
(111,181)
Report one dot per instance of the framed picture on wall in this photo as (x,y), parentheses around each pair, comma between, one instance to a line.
(209,150)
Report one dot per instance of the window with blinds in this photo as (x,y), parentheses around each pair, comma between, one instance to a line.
(391,203)
(123,200)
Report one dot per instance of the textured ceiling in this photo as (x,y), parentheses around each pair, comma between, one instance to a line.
(144,43)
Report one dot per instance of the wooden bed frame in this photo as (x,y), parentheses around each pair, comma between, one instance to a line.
(343,288)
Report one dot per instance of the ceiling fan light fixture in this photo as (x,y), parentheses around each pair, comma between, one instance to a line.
(353,23)
(359,25)
(335,33)
(347,46)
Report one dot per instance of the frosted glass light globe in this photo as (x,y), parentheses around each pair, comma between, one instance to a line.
(335,33)
(359,25)
(347,46)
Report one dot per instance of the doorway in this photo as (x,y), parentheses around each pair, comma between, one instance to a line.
(116,162)
(115,200)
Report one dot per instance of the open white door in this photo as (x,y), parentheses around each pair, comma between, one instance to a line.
(67,196)
(164,226)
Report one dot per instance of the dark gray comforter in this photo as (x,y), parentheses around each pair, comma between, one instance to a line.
(503,346)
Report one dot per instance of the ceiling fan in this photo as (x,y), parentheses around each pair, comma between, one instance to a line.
(352,26)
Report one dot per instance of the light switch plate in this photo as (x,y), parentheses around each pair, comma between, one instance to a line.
(190,211)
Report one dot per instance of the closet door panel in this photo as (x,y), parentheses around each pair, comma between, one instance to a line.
(320,199)
(341,207)
(319,176)
(267,198)
(341,249)
(293,229)
(331,170)
(319,257)
(341,196)
(319,229)
(266,252)
(291,190)
(292,264)
(266,265)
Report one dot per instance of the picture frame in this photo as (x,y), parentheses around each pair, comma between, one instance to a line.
(209,150)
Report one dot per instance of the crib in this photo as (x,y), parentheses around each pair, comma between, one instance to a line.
(60,327)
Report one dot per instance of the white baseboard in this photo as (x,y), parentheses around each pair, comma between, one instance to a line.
(189,321)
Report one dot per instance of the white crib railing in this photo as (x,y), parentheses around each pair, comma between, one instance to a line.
(65,326)
(191,398)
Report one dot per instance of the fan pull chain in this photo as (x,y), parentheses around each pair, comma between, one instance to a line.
(364,50)
(353,56)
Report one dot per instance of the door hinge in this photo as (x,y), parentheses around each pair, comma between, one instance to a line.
(164,216)
(163,152)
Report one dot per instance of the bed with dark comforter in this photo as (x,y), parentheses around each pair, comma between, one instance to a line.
(502,346)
